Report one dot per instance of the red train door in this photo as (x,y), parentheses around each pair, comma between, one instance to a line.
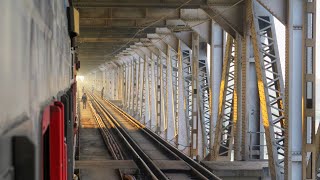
(57,143)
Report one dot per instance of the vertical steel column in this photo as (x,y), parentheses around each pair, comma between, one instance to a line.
(143,93)
(171,123)
(129,91)
(131,86)
(311,135)
(237,123)
(151,111)
(107,74)
(294,56)
(111,83)
(95,80)
(116,83)
(128,85)
(163,79)
(183,123)
(110,76)
(107,81)
(135,87)
(148,109)
(251,139)
(215,75)
(245,57)
(146,92)
(115,78)
(99,74)
(156,81)
(137,90)
(251,135)
(103,80)
(159,96)
(196,139)
(153,103)
(120,83)
(125,84)
(174,79)
(141,85)
(118,80)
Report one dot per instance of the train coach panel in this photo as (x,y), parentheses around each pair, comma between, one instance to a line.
(35,65)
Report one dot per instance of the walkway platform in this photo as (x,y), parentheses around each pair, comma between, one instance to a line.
(94,155)
(239,170)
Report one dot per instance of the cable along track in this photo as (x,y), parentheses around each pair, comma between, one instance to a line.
(156,158)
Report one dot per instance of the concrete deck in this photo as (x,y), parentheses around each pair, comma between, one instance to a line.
(92,149)
(239,170)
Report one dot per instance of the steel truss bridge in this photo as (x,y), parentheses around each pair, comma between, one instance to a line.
(206,75)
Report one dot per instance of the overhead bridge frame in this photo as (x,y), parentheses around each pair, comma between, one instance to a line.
(233,103)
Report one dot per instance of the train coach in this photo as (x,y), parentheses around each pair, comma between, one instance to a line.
(38,86)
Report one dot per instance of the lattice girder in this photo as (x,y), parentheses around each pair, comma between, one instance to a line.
(227,117)
(270,87)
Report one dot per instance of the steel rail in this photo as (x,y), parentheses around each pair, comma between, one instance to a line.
(195,167)
(140,158)
(108,139)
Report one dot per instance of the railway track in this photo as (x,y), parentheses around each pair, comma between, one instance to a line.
(107,135)
(155,158)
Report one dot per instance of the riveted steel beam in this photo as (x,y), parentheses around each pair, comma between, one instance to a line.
(230,18)
(144,3)
(215,76)
(105,40)
(310,132)
(133,13)
(270,86)
(277,8)
(196,141)
(227,118)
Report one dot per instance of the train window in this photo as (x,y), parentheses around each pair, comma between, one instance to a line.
(46,155)
(23,158)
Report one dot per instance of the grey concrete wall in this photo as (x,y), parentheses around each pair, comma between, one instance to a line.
(35,60)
